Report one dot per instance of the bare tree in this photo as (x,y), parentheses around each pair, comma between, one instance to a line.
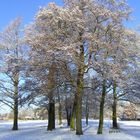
(12,60)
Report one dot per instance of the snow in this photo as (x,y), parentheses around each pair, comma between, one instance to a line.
(37,130)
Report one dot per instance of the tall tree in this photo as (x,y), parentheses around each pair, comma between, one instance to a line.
(12,60)
(86,32)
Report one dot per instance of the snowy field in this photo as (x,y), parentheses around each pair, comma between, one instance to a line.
(36,130)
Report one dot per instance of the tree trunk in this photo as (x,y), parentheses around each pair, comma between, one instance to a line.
(87,116)
(60,114)
(15,123)
(15,110)
(72,121)
(68,120)
(51,116)
(87,111)
(114,107)
(79,91)
(68,112)
(101,117)
(51,86)
(59,108)
(79,114)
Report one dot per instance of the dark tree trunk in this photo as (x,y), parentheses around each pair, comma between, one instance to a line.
(68,120)
(15,123)
(51,86)
(68,112)
(51,116)
(114,107)
(59,108)
(15,110)
(60,114)
(79,91)
(87,111)
(79,115)
(72,121)
(87,116)
(101,117)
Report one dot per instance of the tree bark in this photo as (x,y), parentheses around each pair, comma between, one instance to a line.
(68,112)
(15,110)
(87,111)
(114,107)
(72,121)
(101,117)
(51,116)
(51,85)
(15,122)
(79,91)
(60,114)
(87,116)
(59,108)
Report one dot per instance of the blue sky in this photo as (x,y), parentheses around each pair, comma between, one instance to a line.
(135,5)
(10,9)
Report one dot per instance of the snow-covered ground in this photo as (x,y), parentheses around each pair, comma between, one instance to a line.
(36,130)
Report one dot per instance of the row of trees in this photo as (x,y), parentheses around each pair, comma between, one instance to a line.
(77,57)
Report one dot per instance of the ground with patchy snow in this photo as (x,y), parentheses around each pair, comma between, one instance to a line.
(37,130)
